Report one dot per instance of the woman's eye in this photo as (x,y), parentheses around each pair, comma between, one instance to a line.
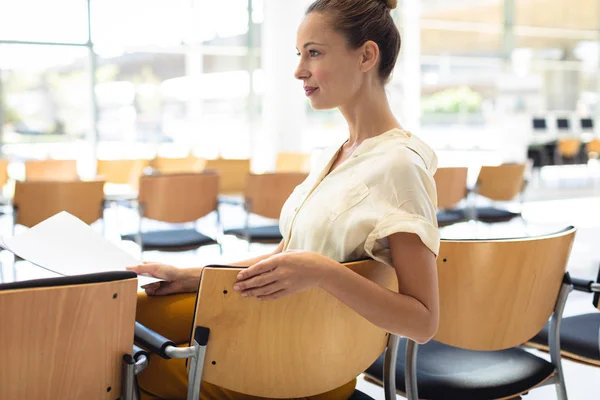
(313,53)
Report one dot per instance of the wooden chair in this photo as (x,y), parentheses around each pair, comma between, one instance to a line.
(451,185)
(69,337)
(265,195)
(122,172)
(182,165)
(494,295)
(297,346)
(499,183)
(293,162)
(51,170)
(36,201)
(3,171)
(232,174)
(592,149)
(567,148)
(176,199)
(580,334)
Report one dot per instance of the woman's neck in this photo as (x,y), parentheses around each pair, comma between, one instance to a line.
(369,115)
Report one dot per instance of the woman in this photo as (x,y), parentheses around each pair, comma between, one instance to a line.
(372,195)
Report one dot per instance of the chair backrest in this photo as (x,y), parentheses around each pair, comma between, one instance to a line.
(496,294)
(451,185)
(3,171)
(593,147)
(64,338)
(37,201)
(232,174)
(182,165)
(297,346)
(51,170)
(502,182)
(177,198)
(268,192)
(568,147)
(122,171)
(293,162)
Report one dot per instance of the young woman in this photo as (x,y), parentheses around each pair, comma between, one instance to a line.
(373,195)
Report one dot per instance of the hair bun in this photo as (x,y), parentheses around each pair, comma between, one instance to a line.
(391,4)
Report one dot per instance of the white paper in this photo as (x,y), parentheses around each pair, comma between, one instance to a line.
(68,246)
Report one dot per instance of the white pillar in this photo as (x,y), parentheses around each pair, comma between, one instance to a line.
(411,65)
(283,103)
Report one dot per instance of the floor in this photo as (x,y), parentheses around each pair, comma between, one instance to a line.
(555,197)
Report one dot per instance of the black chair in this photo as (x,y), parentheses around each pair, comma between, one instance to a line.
(580,334)
(70,338)
(493,293)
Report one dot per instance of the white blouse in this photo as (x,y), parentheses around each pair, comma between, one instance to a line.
(385,187)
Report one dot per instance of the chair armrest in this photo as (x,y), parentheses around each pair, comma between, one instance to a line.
(139,352)
(582,285)
(152,341)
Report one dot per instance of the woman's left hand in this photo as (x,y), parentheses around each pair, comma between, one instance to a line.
(284,274)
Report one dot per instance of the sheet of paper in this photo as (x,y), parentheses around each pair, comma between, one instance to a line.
(68,246)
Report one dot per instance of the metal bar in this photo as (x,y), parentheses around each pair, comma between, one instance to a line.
(128,383)
(29,42)
(412,390)
(196,370)
(180,352)
(140,364)
(389,367)
(595,287)
(554,339)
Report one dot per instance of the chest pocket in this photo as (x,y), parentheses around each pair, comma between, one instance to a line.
(353,195)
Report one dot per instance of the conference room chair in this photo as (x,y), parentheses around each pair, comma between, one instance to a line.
(3,171)
(70,338)
(451,186)
(501,183)
(36,201)
(592,149)
(166,165)
(232,174)
(265,195)
(567,149)
(122,172)
(301,345)
(579,334)
(51,170)
(293,162)
(176,199)
(494,296)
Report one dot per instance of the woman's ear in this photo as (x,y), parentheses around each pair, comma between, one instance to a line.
(369,55)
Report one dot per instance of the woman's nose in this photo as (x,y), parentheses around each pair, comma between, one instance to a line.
(301,72)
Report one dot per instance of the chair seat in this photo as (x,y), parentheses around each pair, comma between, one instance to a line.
(578,338)
(172,239)
(446,372)
(257,233)
(493,214)
(448,217)
(358,395)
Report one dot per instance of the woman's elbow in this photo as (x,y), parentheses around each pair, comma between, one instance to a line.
(427,329)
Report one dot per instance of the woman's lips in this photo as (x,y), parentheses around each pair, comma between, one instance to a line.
(309,91)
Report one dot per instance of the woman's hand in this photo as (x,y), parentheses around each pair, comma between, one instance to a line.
(284,274)
(175,280)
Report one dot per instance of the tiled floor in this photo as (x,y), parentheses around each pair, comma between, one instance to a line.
(554,198)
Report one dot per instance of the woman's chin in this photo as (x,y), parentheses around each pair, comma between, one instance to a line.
(319,105)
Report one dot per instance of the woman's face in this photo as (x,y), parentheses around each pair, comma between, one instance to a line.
(329,69)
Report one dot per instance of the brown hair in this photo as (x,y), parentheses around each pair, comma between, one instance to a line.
(363,20)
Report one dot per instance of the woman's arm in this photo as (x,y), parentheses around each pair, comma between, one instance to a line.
(413,312)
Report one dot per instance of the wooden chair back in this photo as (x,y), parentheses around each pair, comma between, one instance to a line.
(451,185)
(293,162)
(568,147)
(232,174)
(124,172)
(297,346)
(178,198)
(496,294)
(268,192)
(3,171)
(182,165)
(37,201)
(67,341)
(592,148)
(51,170)
(502,182)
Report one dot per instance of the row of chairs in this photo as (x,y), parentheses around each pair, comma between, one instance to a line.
(476,354)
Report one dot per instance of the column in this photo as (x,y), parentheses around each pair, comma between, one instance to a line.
(411,65)
(283,103)
(508,38)
(194,68)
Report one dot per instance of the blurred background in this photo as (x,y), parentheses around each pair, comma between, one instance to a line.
(477,79)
